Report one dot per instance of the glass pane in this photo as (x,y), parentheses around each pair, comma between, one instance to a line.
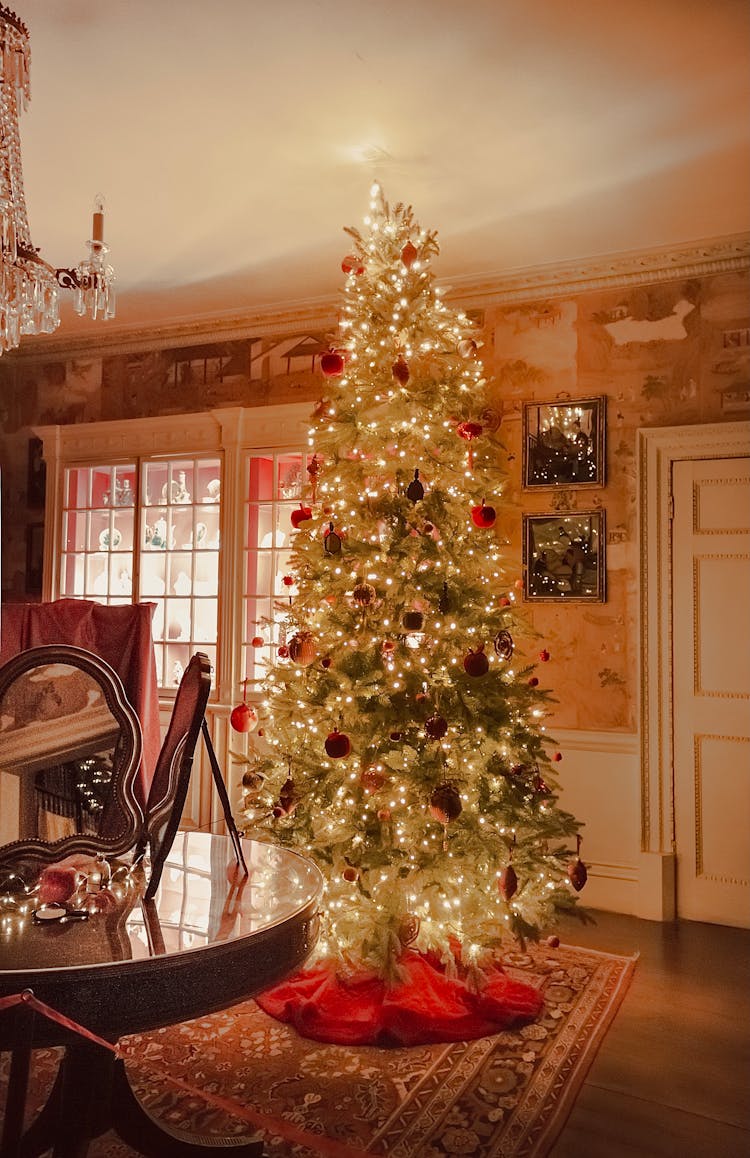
(72,575)
(260,478)
(74,531)
(153,574)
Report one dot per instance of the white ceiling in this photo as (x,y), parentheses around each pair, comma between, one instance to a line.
(234,139)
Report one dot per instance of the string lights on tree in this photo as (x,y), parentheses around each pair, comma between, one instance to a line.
(403,739)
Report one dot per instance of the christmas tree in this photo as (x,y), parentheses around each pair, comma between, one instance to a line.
(403,743)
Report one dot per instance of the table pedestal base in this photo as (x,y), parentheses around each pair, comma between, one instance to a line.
(92,1095)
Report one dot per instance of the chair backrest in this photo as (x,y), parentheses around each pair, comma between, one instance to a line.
(169,786)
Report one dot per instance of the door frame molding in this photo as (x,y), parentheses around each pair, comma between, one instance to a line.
(658,448)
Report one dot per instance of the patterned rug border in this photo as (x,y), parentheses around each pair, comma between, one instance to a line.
(582,1064)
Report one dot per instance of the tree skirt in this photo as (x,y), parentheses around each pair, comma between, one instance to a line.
(508,1094)
(426,1007)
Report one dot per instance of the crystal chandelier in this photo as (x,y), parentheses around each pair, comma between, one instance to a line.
(29,286)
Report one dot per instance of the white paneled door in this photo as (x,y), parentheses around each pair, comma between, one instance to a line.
(711,687)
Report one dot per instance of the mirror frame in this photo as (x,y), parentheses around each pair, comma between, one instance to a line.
(124,769)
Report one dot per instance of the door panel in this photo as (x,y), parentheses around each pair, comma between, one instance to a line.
(711,688)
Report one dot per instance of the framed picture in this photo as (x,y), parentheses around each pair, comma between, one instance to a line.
(37,474)
(564,557)
(34,558)
(564,443)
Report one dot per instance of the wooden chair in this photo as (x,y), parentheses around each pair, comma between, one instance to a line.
(169,786)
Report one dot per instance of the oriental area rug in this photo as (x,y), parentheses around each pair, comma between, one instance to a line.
(507,1095)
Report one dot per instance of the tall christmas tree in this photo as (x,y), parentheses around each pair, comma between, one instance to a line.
(404,748)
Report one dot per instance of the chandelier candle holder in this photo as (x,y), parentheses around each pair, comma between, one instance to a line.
(29,286)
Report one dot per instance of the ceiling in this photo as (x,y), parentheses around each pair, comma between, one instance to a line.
(233,140)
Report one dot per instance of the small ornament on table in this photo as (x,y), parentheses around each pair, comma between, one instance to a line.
(577,871)
(332,541)
(415,490)
(503,644)
(243,717)
(483,516)
(475,662)
(469,431)
(314,468)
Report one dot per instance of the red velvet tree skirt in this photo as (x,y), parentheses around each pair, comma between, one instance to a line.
(427,1007)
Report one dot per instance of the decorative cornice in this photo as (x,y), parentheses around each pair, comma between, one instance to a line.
(667,263)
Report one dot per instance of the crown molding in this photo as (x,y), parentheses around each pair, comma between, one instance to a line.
(667,263)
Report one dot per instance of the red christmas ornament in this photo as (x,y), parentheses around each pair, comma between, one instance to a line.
(557,757)
(420,697)
(243,717)
(383,814)
(364,594)
(373,779)
(288,580)
(408,929)
(332,364)
(338,745)
(352,264)
(326,661)
(302,648)
(387,647)
(436,727)
(257,641)
(504,601)
(533,682)
(469,431)
(283,651)
(395,736)
(483,516)
(350,873)
(544,655)
(577,871)
(539,786)
(400,371)
(553,942)
(507,882)
(57,883)
(301,515)
(445,803)
(476,662)
(409,255)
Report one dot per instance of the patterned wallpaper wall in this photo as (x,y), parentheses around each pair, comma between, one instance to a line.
(663,355)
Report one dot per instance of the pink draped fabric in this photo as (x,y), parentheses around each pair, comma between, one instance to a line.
(120,635)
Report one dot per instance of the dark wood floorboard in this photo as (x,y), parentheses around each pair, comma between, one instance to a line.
(672,1077)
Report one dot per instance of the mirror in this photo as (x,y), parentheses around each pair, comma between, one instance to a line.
(70,746)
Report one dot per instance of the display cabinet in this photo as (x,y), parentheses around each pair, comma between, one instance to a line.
(193,513)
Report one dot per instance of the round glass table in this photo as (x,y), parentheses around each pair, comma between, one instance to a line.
(210,938)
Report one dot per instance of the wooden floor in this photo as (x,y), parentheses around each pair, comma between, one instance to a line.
(672,1077)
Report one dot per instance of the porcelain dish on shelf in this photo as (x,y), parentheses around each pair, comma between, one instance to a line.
(107,543)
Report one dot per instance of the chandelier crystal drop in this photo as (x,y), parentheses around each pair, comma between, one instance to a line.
(29,286)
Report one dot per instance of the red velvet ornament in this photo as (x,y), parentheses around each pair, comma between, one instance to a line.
(544,655)
(400,371)
(483,516)
(302,648)
(243,717)
(332,364)
(352,264)
(533,682)
(301,515)
(476,662)
(436,727)
(445,803)
(409,255)
(257,641)
(507,882)
(338,745)
(283,652)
